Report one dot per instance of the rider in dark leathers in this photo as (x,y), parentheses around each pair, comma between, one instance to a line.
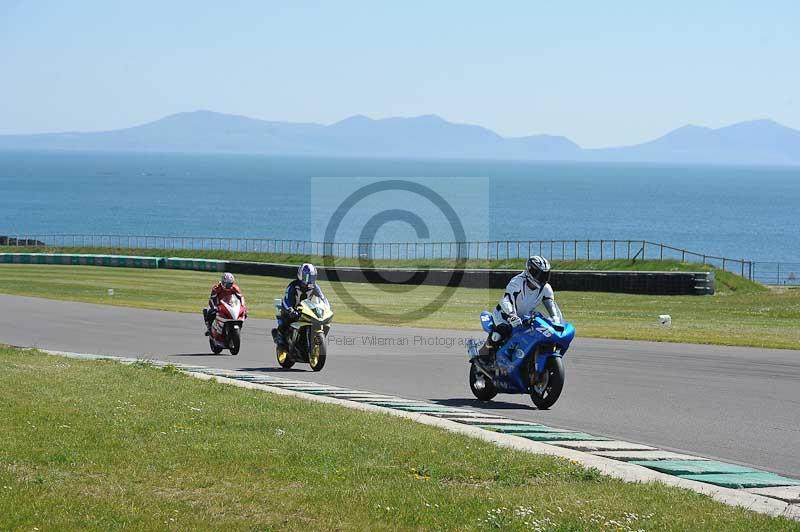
(298,290)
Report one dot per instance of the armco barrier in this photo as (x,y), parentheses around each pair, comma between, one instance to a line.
(123,261)
(654,283)
(204,265)
(630,282)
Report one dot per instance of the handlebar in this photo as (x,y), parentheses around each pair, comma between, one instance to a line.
(528,320)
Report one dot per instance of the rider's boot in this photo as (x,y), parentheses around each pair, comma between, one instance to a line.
(486,354)
(207,322)
(281,333)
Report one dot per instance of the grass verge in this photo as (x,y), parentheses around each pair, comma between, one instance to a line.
(743,317)
(102,446)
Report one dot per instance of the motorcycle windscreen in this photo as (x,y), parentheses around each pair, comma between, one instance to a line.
(231,306)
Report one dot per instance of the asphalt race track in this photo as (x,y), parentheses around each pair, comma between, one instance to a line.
(734,404)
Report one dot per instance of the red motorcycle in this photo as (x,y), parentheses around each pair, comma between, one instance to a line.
(226,329)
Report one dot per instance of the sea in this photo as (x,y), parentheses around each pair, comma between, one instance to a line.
(732,211)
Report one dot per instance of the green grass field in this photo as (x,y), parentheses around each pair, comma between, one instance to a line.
(102,446)
(741,313)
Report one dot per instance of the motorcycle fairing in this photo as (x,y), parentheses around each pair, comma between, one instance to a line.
(512,359)
(487,321)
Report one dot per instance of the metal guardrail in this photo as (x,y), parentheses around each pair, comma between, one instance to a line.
(560,250)
(777,273)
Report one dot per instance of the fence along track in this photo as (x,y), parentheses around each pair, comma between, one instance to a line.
(563,250)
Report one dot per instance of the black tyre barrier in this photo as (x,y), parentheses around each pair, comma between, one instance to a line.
(628,282)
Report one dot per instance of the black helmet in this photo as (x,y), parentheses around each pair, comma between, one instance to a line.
(537,270)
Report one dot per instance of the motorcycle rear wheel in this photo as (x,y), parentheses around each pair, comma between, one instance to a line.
(235,341)
(485,393)
(555,383)
(214,347)
(282,354)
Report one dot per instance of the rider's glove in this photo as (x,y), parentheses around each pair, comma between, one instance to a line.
(514,320)
(294,314)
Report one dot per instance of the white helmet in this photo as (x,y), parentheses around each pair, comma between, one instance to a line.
(307,274)
(227,280)
(537,270)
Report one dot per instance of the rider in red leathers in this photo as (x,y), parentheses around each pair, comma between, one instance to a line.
(219,292)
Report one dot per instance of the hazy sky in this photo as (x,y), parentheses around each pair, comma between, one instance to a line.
(601,73)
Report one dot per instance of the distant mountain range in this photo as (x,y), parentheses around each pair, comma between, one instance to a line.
(428,136)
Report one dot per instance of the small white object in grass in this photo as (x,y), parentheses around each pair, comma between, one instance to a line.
(110,292)
(665,320)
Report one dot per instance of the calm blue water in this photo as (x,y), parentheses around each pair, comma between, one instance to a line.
(731,211)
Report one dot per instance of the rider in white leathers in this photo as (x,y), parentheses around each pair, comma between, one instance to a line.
(524,293)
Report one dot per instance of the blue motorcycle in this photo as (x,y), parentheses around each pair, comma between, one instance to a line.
(529,362)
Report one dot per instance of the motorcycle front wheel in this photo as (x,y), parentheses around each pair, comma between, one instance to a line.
(235,340)
(545,394)
(318,354)
(482,387)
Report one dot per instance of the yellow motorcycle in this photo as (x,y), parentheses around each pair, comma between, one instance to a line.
(307,340)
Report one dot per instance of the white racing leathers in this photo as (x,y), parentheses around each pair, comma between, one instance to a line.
(520,300)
